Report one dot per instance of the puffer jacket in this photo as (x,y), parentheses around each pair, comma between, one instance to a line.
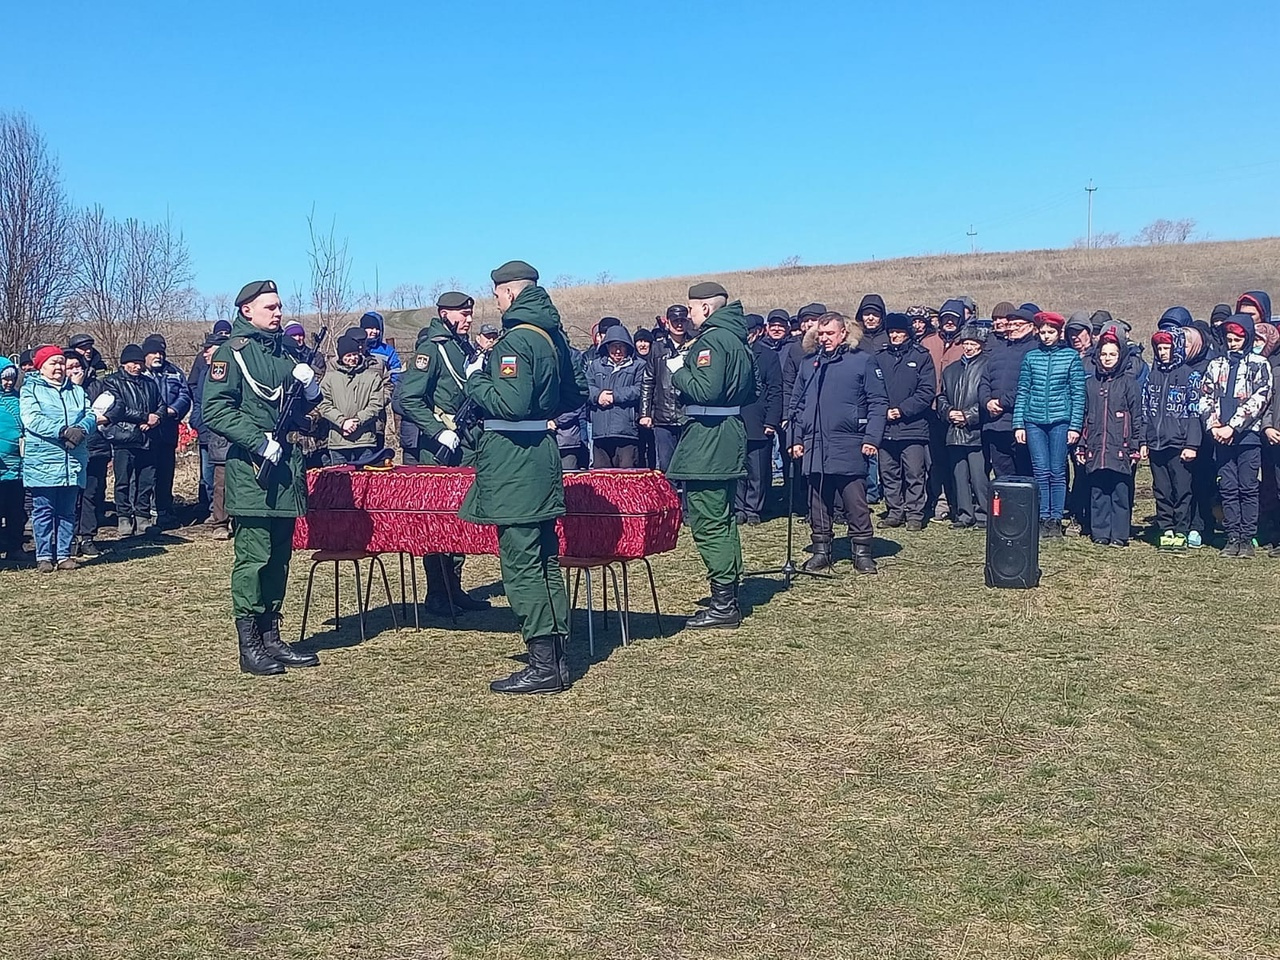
(10,430)
(1112,436)
(619,420)
(911,385)
(840,404)
(135,398)
(658,397)
(1171,401)
(359,392)
(1236,390)
(175,394)
(47,409)
(1051,388)
(962,390)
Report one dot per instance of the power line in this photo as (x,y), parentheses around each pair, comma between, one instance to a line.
(1088,237)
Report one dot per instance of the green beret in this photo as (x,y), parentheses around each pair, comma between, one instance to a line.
(707,290)
(514,270)
(453,300)
(256,289)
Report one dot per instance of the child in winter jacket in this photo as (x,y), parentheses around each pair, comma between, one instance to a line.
(614,379)
(1234,396)
(1171,413)
(1111,442)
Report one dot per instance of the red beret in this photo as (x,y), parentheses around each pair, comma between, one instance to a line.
(1162,336)
(1053,319)
(42,355)
(1228,327)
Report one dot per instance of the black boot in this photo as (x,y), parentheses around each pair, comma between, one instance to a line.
(821,559)
(277,649)
(461,599)
(253,658)
(542,675)
(723,611)
(862,561)
(438,587)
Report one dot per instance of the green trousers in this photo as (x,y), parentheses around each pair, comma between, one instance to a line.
(715,532)
(527,553)
(260,571)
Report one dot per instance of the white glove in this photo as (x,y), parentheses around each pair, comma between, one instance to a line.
(447,438)
(675,363)
(307,377)
(270,450)
(474,366)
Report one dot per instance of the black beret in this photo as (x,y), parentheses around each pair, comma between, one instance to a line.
(513,270)
(80,340)
(677,311)
(707,290)
(256,289)
(755,321)
(453,300)
(781,316)
(897,321)
(812,310)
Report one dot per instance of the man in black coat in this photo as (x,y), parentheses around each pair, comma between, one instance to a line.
(762,419)
(839,419)
(911,385)
(871,314)
(999,392)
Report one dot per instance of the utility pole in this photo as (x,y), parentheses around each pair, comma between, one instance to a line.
(973,244)
(1090,190)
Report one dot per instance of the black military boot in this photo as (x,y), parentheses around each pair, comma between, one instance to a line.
(723,611)
(253,657)
(461,599)
(862,561)
(277,649)
(821,559)
(438,599)
(542,675)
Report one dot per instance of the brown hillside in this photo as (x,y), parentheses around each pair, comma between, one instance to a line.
(1137,283)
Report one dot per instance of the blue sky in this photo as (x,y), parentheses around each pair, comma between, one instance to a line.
(653,139)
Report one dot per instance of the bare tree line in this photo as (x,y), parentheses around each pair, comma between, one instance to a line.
(1154,234)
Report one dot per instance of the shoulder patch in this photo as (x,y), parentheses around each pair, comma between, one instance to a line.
(508,366)
(238,343)
(218,370)
(704,358)
(422,361)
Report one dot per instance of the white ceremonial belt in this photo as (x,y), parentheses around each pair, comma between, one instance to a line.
(697,410)
(517,426)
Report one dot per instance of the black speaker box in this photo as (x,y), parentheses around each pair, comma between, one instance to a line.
(1013,534)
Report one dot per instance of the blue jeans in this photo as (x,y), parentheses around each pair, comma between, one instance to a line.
(1047,444)
(53,513)
(874,492)
(206,476)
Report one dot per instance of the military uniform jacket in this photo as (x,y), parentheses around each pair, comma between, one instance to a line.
(248,377)
(530,376)
(430,390)
(718,372)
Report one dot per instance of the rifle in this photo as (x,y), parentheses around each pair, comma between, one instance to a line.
(289,407)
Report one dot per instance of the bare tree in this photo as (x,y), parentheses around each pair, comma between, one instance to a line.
(603,278)
(1166,231)
(1099,241)
(330,274)
(408,296)
(791,262)
(35,236)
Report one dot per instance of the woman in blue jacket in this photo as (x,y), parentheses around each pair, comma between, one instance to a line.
(56,423)
(1049,413)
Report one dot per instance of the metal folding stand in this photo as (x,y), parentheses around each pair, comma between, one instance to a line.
(788,571)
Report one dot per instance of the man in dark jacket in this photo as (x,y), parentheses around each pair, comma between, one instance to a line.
(911,385)
(213,446)
(871,313)
(571,429)
(777,331)
(761,418)
(614,379)
(93,494)
(960,412)
(795,352)
(133,419)
(839,422)
(175,397)
(659,401)
(1000,392)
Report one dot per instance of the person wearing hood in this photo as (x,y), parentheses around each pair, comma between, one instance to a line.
(1235,392)
(911,386)
(871,314)
(1172,431)
(1049,414)
(530,379)
(960,412)
(373,326)
(1099,319)
(56,423)
(1000,394)
(715,379)
(13,510)
(1111,443)
(615,376)
(1219,315)
(762,419)
(839,424)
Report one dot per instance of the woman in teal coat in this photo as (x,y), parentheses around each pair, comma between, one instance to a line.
(56,423)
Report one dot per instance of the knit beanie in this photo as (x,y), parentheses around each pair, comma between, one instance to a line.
(294,329)
(348,344)
(43,354)
(1002,310)
(132,353)
(154,344)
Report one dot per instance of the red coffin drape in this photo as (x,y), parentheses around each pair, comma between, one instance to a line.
(610,513)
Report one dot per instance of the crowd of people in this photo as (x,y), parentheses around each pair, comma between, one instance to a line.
(916,410)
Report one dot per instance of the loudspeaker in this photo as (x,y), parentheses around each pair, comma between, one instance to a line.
(1013,534)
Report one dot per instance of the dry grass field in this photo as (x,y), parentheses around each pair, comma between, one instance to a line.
(1137,283)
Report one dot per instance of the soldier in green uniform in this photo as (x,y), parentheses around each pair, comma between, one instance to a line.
(428,397)
(249,377)
(526,381)
(714,378)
